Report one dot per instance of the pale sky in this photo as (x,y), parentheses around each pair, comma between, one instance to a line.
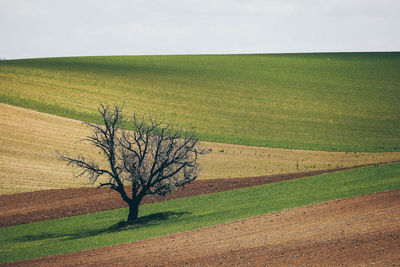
(51,28)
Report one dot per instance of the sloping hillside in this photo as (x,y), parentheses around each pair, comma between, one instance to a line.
(345,102)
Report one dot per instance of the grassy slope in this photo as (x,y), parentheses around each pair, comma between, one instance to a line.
(93,230)
(347,102)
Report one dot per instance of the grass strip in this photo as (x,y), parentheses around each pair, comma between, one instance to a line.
(99,229)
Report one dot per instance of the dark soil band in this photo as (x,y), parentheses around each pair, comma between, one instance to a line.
(51,204)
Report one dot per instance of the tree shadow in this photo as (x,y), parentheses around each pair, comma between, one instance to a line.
(152,219)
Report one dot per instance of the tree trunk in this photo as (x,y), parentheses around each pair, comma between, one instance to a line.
(133,210)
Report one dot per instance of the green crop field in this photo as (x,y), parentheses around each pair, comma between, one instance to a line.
(96,229)
(333,101)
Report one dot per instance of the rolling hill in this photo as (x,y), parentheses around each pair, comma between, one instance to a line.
(332,101)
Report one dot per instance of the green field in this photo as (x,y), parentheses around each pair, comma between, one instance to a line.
(96,229)
(333,101)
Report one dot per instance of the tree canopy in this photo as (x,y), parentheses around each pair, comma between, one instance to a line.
(152,158)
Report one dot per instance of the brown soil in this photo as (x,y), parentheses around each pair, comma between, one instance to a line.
(51,204)
(355,231)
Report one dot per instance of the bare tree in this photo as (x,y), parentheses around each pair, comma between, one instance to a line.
(152,158)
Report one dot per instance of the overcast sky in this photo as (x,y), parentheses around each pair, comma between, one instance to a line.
(51,28)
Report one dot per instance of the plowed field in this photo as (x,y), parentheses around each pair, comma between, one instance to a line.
(355,231)
(51,204)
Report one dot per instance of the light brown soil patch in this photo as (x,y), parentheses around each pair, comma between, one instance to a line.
(57,203)
(29,140)
(356,231)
